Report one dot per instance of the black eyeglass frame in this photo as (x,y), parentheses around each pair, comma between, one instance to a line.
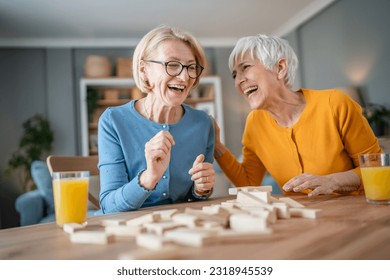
(182,67)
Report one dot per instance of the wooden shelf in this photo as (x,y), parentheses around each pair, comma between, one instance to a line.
(112,102)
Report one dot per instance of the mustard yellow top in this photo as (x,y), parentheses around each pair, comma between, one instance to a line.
(328,138)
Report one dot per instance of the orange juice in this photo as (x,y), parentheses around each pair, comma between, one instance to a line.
(70,200)
(376,181)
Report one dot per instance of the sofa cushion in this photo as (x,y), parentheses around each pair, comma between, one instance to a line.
(42,179)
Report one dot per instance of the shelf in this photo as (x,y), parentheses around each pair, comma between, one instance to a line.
(112,102)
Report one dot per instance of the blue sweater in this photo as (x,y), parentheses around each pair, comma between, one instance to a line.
(122,134)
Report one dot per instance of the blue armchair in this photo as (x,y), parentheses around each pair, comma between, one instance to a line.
(37,206)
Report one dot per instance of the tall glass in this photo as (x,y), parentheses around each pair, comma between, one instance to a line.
(70,191)
(375,169)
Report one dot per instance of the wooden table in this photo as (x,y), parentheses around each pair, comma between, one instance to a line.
(348,228)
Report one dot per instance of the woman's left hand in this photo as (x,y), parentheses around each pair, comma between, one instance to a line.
(203,175)
(342,182)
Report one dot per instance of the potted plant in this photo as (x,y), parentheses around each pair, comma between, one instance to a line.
(378,117)
(37,140)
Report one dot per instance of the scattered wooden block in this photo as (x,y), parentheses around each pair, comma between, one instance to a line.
(166,214)
(269,215)
(248,223)
(151,241)
(191,237)
(91,237)
(291,202)
(148,218)
(222,217)
(308,213)
(235,191)
(160,228)
(123,230)
(264,196)
(113,222)
(282,210)
(72,227)
(187,220)
(247,199)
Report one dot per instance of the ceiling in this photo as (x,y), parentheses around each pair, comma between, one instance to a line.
(110,23)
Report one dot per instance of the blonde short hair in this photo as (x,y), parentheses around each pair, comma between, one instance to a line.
(268,50)
(150,42)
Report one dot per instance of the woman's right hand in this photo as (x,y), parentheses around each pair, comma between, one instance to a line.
(157,155)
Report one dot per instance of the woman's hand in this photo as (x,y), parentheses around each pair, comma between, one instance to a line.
(157,155)
(342,182)
(203,175)
(219,148)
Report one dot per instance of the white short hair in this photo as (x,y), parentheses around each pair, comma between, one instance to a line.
(268,50)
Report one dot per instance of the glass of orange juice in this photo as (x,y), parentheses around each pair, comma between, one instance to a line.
(375,169)
(70,191)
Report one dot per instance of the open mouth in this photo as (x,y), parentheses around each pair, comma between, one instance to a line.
(179,88)
(250,90)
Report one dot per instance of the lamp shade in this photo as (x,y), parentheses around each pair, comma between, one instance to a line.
(353,92)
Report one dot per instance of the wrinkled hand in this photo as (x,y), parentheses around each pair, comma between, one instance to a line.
(340,182)
(203,175)
(157,155)
(318,184)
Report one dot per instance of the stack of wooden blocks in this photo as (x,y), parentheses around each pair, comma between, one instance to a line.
(247,218)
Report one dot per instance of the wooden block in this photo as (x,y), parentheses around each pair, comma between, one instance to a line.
(282,210)
(191,237)
(264,196)
(269,215)
(234,210)
(247,199)
(91,237)
(160,228)
(166,215)
(222,217)
(248,223)
(234,191)
(148,218)
(187,220)
(230,204)
(123,230)
(151,241)
(291,202)
(72,227)
(211,225)
(308,213)
(113,222)
(211,209)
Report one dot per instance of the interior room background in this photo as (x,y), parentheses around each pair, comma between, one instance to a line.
(347,44)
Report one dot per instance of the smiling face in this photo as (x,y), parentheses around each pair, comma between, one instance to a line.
(169,91)
(254,82)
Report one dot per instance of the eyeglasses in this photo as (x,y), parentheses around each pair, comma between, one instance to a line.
(174,68)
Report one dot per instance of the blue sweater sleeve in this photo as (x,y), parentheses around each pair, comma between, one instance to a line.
(113,172)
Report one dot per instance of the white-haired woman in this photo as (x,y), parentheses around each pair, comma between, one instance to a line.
(157,150)
(308,140)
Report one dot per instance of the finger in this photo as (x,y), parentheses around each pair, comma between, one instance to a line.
(198,160)
(166,135)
